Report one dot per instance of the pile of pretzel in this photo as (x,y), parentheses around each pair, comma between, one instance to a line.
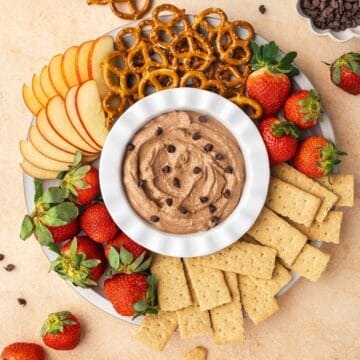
(177,51)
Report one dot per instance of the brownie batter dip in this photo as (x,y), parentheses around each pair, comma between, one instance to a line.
(183,172)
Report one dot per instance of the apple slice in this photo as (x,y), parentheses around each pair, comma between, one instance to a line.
(46,83)
(82,57)
(56,76)
(56,113)
(46,148)
(90,111)
(30,100)
(68,66)
(38,159)
(38,91)
(49,134)
(101,48)
(71,111)
(89,159)
(38,173)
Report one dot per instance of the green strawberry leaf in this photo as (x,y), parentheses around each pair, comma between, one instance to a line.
(140,306)
(77,158)
(144,266)
(354,67)
(66,211)
(54,195)
(61,175)
(126,257)
(91,263)
(73,248)
(43,234)
(27,227)
(38,190)
(82,170)
(80,184)
(54,248)
(51,221)
(114,258)
(336,75)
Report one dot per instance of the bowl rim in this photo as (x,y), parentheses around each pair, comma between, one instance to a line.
(257,171)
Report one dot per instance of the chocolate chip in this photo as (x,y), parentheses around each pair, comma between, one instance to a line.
(208,147)
(229,170)
(203,118)
(9,267)
(2,256)
(212,208)
(159,131)
(197,170)
(215,220)
(169,201)
(227,194)
(219,156)
(155,219)
(166,169)
(176,182)
(262,9)
(183,209)
(204,199)
(130,147)
(141,183)
(196,136)
(21,301)
(171,148)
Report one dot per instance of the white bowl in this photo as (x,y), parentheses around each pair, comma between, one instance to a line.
(340,36)
(256,167)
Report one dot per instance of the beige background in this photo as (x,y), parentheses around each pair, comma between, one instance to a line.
(316,321)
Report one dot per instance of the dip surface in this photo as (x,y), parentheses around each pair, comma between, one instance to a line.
(183,172)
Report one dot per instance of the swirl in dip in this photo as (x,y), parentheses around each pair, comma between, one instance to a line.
(183,172)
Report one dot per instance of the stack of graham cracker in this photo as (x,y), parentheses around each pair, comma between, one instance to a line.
(207,295)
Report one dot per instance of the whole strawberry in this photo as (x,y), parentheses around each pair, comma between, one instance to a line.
(280,138)
(269,82)
(53,219)
(82,182)
(345,73)
(317,157)
(303,108)
(82,261)
(132,294)
(23,351)
(98,224)
(61,331)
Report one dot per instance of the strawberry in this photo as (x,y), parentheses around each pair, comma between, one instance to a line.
(132,294)
(53,219)
(98,224)
(23,351)
(317,156)
(280,138)
(269,82)
(81,181)
(345,73)
(81,261)
(303,108)
(61,331)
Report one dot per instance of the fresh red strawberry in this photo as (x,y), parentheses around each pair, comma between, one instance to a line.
(23,351)
(53,219)
(82,182)
(98,224)
(269,82)
(317,156)
(345,73)
(132,294)
(61,331)
(280,138)
(81,260)
(303,108)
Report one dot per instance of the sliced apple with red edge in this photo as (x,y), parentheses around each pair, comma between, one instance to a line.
(30,100)
(46,83)
(38,91)
(56,114)
(68,66)
(100,49)
(72,113)
(82,56)
(38,173)
(39,160)
(56,75)
(90,111)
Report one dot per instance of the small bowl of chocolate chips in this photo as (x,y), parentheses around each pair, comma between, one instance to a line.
(339,19)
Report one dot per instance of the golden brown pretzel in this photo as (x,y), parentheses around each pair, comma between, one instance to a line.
(114,105)
(231,76)
(160,79)
(198,79)
(176,16)
(243,102)
(134,13)
(126,33)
